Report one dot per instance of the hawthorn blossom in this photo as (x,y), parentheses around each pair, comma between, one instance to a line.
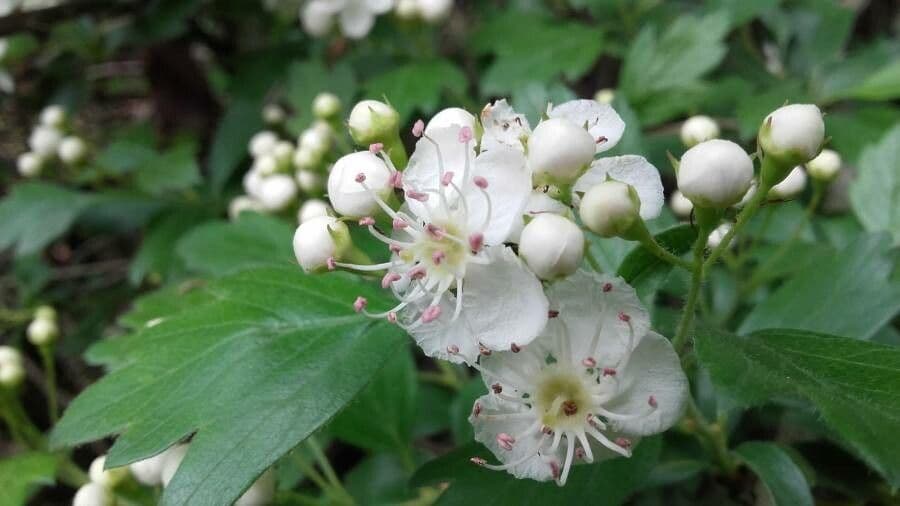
(461,292)
(594,382)
(356,17)
(503,127)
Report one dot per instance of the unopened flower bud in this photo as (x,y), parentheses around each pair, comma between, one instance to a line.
(265,165)
(46,312)
(824,167)
(261,492)
(715,174)
(680,205)
(697,129)
(42,331)
(452,116)
(789,187)
(716,236)
(242,203)
(433,11)
(605,95)
(326,105)
(372,121)
(53,116)
(93,494)
(552,246)
(407,10)
(283,152)
(109,478)
(559,151)
(318,240)
(149,471)
(610,209)
(12,370)
(252,182)
(317,18)
(356,182)
(312,208)
(277,192)
(791,135)
(44,141)
(273,114)
(262,143)
(314,140)
(30,164)
(310,181)
(306,159)
(72,150)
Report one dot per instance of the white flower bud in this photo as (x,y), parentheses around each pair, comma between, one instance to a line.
(261,492)
(306,159)
(171,462)
(715,173)
(277,192)
(605,96)
(326,105)
(12,372)
(30,164)
(309,181)
(318,240)
(44,141)
(42,331)
(372,121)
(716,236)
(452,116)
(792,134)
(273,114)
(9,356)
(72,150)
(283,153)
(314,140)
(252,182)
(407,9)
(351,197)
(265,165)
(46,312)
(433,11)
(242,203)
(789,187)
(93,494)
(610,208)
(109,478)
(149,471)
(262,143)
(53,116)
(680,205)
(317,18)
(313,208)
(825,167)
(552,246)
(698,129)
(559,151)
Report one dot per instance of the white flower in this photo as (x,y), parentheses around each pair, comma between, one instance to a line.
(149,471)
(503,127)
(610,208)
(273,114)
(680,205)
(109,478)
(42,331)
(72,150)
(263,143)
(372,121)
(586,390)
(552,246)
(601,120)
(824,167)
(44,141)
(320,241)
(460,289)
(357,182)
(715,173)
(791,186)
(53,116)
(12,370)
(716,236)
(605,95)
(793,134)
(697,129)
(559,150)
(312,208)
(243,203)
(356,17)
(310,182)
(30,164)
(632,170)
(276,192)
(326,105)
(261,492)
(433,11)
(452,116)
(173,457)
(93,494)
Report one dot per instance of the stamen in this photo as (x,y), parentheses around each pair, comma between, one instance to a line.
(484,350)
(478,461)
(652,402)
(607,287)
(623,442)
(480,182)
(476,409)
(515,348)
(418,128)
(435,231)
(359,304)
(447,178)
(453,349)
(395,248)
(552,313)
(399,224)
(389,278)
(586,453)
(375,148)
(417,272)
(438,256)
(601,139)
(416,195)
(609,371)
(392,317)
(330,263)
(505,441)
(589,362)
(624,317)
(607,443)
(570,450)
(497,388)
(360,177)
(396,179)
(465,134)
(367,221)
(476,242)
(431,314)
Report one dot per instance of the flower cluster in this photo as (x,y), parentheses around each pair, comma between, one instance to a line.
(357,17)
(52,139)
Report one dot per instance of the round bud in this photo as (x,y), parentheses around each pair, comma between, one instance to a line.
(715,173)
(9,356)
(793,134)
(312,208)
(72,150)
(605,96)
(326,105)
(680,205)
(433,11)
(12,371)
(372,121)
(407,9)
(552,246)
(283,153)
(452,116)
(317,18)
(824,167)
(277,192)
(610,209)
(242,203)
(262,143)
(44,141)
(149,471)
(46,312)
(109,478)
(351,197)
(698,129)
(30,164)
(310,181)
(789,187)
(42,331)
(559,151)
(53,116)
(315,140)
(93,494)
(252,182)
(261,492)
(171,461)
(273,114)
(319,239)
(306,159)
(265,165)
(716,236)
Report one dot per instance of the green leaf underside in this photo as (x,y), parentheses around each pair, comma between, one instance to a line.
(35,214)
(417,86)
(855,385)
(875,194)
(781,476)
(270,357)
(19,473)
(607,483)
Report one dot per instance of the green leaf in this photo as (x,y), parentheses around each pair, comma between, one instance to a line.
(35,213)
(220,248)
(172,170)
(741,11)
(611,482)
(461,408)
(242,119)
(19,474)
(532,99)
(875,194)
(307,79)
(156,256)
(778,472)
(849,294)
(645,271)
(855,385)
(379,479)
(382,416)
(416,86)
(269,358)
(881,85)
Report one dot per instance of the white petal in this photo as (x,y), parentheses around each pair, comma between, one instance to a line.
(423,171)
(509,186)
(589,311)
(356,20)
(653,370)
(436,337)
(630,169)
(538,202)
(517,372)
(503,127)
(602,120)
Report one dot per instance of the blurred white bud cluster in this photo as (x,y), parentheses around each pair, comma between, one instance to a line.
(354,17)
(430,11)
(43,329)
(52,140)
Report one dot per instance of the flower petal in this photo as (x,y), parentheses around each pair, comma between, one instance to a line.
(509,186)
(653,370)
(538,202)
(423,171)
(503,127)
(630,169)
(437,337)
(601,119)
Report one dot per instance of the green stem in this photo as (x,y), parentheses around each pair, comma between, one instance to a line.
(69,473)
(49,362)
(336,486)
(712,435)
(310,472)
(18,421)
(742,219)
(591,259)
(654,247)
(680,341)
